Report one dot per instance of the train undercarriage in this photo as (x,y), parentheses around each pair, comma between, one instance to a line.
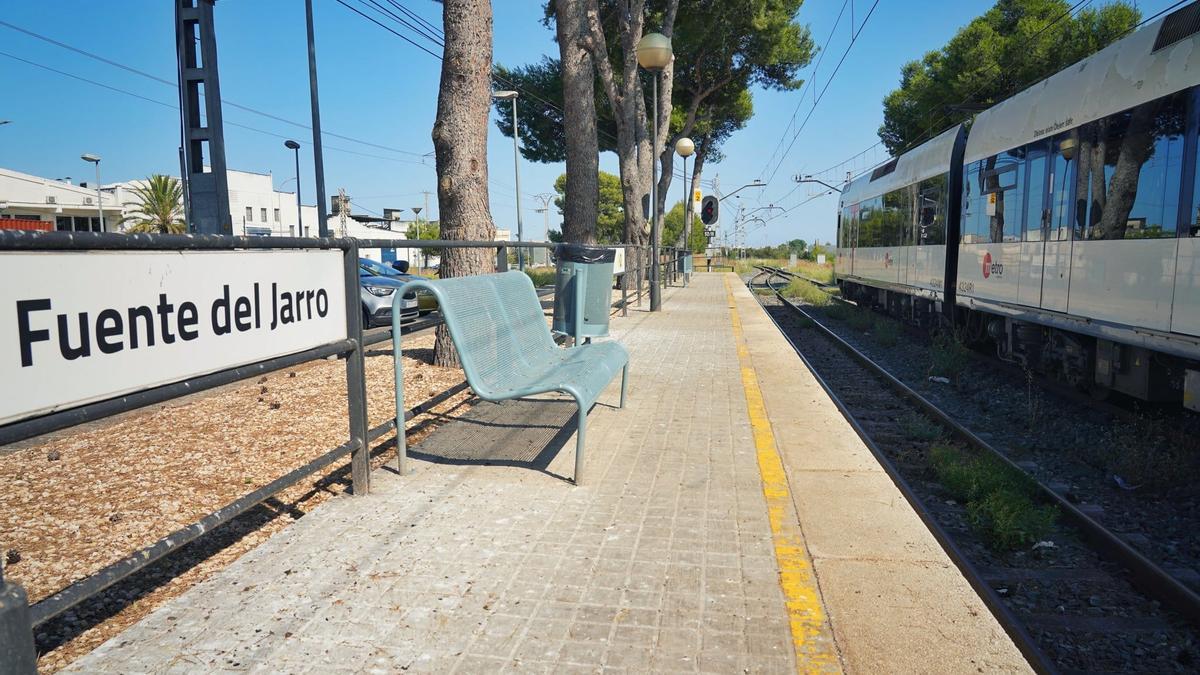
(1087,363)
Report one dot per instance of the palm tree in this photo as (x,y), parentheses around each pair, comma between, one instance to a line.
(159,207)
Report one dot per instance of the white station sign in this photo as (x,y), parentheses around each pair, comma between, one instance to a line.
(77,327)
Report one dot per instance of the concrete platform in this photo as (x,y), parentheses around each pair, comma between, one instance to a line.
(731,522)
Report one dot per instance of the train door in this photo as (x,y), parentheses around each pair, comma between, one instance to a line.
(1056,262)
(1036,226)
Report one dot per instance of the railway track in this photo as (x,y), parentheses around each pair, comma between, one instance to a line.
(1082,600)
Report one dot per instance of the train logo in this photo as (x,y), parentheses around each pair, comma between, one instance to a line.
(990,268)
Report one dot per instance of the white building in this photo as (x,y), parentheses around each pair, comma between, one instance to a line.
(27,200)
(255,206)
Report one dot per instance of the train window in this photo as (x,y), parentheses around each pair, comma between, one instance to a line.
(897,214)
(1001,191)
(873,223)
(1130,168)
(931,217)
(1062,179)
(973,207)
(1035,211)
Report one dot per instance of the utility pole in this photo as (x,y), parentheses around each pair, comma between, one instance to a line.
(343,207)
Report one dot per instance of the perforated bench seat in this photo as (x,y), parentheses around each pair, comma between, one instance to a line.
(506,349)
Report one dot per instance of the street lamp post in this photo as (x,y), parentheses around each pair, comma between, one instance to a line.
(95,159)
(512,96)
(685,147)
(654,54)
(295,148)
(420,233)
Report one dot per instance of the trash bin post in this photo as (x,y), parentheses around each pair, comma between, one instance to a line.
(501,258)
(583,290)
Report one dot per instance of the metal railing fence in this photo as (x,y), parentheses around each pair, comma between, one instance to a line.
(17,619)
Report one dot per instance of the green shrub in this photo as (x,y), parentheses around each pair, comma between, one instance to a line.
(806,292)
(948,356)
(887,332)
(999,499)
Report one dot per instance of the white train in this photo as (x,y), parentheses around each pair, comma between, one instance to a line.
(1063,225)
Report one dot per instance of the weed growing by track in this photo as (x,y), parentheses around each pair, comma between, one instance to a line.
(806,292)
(948,356)
(999,499)
(887,332)
(1149,457)
(920,428)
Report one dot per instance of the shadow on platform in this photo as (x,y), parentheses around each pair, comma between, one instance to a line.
(526,433)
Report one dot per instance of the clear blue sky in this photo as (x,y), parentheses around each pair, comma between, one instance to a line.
(377,88)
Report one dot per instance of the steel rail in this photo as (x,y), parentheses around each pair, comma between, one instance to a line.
(787,273)
(1145,573)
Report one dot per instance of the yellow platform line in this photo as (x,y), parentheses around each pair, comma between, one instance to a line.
(811,635)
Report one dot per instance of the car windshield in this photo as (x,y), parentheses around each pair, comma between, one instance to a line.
(371,267)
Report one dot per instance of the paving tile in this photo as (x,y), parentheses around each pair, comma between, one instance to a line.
(652,564)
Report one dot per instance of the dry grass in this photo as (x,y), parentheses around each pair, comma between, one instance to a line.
(79,500)
(810,269)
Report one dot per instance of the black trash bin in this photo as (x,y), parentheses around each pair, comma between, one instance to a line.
(582,290)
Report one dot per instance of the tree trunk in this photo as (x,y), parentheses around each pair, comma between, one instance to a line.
(582,200)
(460,144)
(628,103)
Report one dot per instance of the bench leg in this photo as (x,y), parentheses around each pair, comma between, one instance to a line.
(624,377)
(580,437)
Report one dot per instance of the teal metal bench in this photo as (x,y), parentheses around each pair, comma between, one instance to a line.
(506,350)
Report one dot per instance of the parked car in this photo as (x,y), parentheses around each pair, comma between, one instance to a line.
(377,293)
(425,300)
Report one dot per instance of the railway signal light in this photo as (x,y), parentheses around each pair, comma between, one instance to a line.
(708,210)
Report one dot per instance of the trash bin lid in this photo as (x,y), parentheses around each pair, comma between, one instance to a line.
(583,253)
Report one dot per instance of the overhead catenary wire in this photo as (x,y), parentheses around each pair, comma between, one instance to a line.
(1072,10)
(945,114)
(437,39)
(803,88)
(175,107)
(816,102)
(174,85)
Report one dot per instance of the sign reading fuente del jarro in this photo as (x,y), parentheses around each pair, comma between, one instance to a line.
(79,327)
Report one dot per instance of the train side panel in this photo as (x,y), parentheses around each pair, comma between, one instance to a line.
(1185,312)
(1124,281)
